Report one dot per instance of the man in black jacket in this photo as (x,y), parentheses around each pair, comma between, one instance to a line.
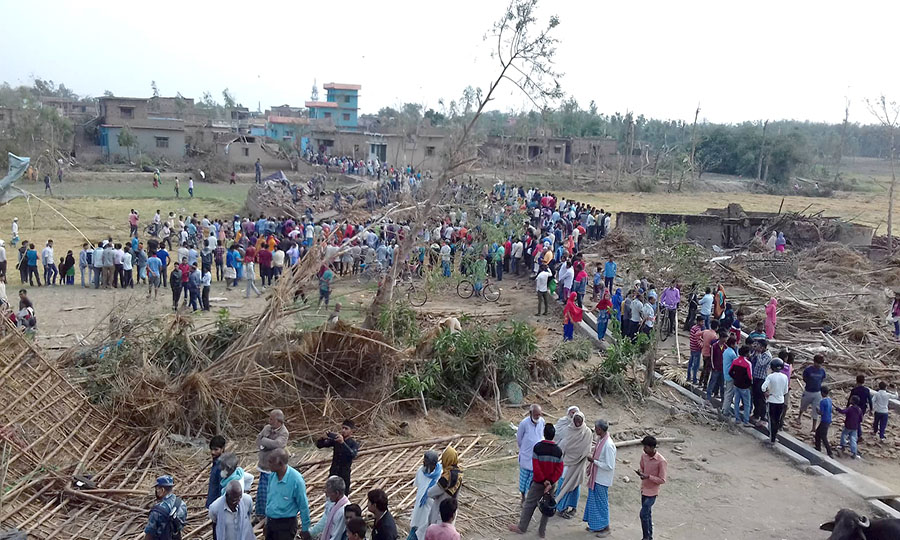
(345,450)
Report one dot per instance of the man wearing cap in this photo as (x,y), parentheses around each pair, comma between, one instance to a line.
(345,450)
(169,516)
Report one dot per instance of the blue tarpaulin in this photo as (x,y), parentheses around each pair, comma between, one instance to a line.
(17,167)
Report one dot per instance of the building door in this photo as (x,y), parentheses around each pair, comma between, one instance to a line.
(378,151)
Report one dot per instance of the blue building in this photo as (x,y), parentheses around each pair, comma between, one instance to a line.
(288,128)
(341,105)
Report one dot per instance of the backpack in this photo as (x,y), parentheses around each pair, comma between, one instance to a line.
(173,524)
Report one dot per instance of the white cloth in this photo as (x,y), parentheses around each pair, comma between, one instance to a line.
(606,464)
(420,514)
(881,400)
(528,435)
(705,304)
(777,386)
(47,255)
(232,525)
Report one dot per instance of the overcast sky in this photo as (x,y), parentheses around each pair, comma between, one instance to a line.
(741,61)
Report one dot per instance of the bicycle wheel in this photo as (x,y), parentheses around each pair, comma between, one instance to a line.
(490,293)
(416,296)
(420,271)
(465,289)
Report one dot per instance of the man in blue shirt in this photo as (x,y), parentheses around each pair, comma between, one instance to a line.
(609,274)
(169,516)
(154,269)
(813,377)
(31,258)
(825,411)
(285,499)
(163,256)
(728,356)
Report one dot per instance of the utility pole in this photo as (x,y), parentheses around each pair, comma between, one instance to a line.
(693,144)
(762,152)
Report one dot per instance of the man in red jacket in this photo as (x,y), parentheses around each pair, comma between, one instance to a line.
(548,468)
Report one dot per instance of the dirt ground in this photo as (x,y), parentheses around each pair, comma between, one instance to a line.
(724,485)
(722,474)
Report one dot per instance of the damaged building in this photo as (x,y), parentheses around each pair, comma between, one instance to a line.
(732,226)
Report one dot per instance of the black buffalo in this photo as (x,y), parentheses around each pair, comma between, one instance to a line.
(848,525)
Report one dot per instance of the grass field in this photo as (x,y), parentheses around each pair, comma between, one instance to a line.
(100,209)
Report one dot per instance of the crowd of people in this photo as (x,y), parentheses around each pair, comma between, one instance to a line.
(282,504)
(555,459)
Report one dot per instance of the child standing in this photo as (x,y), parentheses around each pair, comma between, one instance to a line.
(880,402)
(825,412)
(216,447)
(852,420)
(598,281)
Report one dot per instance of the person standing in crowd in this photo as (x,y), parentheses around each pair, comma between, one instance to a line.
(775,387)
(696,348)
(706,340)
(205,285)
(384,527)
(84,261)
(760,360)
(609,273)
(285,499)
(853,416)
(216,448)
(572,315)
(604,314)
(864,395)
(742,374)
(272,437)
(825,410)
(448,484)
(881,405)
(175,284)
(426,478)
(575,443)
(191,186)
(543,292)
(47,261)
(771,317)
(344,449)
(258,168)
(168,516)
(652,473)
(530,432)
(332,525)
(445,529)
(728,356)
(601,470)
(813,378)
(230,514)
(547,464)
(705,305)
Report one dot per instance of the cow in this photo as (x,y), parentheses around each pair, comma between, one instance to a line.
(848,525)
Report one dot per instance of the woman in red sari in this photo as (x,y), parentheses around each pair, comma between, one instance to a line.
(572,314)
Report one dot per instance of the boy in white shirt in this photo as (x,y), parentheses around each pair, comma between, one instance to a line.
(775,387)
(881,403)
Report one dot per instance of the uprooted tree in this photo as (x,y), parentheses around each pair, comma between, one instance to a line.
(525,52)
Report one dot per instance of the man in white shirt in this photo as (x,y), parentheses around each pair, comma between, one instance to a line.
(600,477)
(230,514)
(543,293)
(881,401)
(648,315)
(637,312)
(127,275)
(332,524)
(775,387)
(529,433)
(518,250)
(50,270)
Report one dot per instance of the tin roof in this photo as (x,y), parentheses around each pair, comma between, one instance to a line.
(342,86)
(322,104)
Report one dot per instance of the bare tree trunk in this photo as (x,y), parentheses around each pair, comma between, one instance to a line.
(693,143)
(890,216)
(597,169)
(762,152)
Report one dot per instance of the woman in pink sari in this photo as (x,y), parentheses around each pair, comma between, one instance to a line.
(771,317)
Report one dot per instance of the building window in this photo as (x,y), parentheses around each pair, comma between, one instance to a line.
(2,116)
(346,117)
(346,99)
(429,150)
(246,152)
(126,112)
(289,133)
(327,115)
(557,150)
(162,142)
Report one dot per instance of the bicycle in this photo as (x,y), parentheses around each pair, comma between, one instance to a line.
(667,327)
(466,288)
(416,296)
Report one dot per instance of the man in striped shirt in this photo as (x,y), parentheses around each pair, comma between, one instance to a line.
(548,468)
(696,346)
